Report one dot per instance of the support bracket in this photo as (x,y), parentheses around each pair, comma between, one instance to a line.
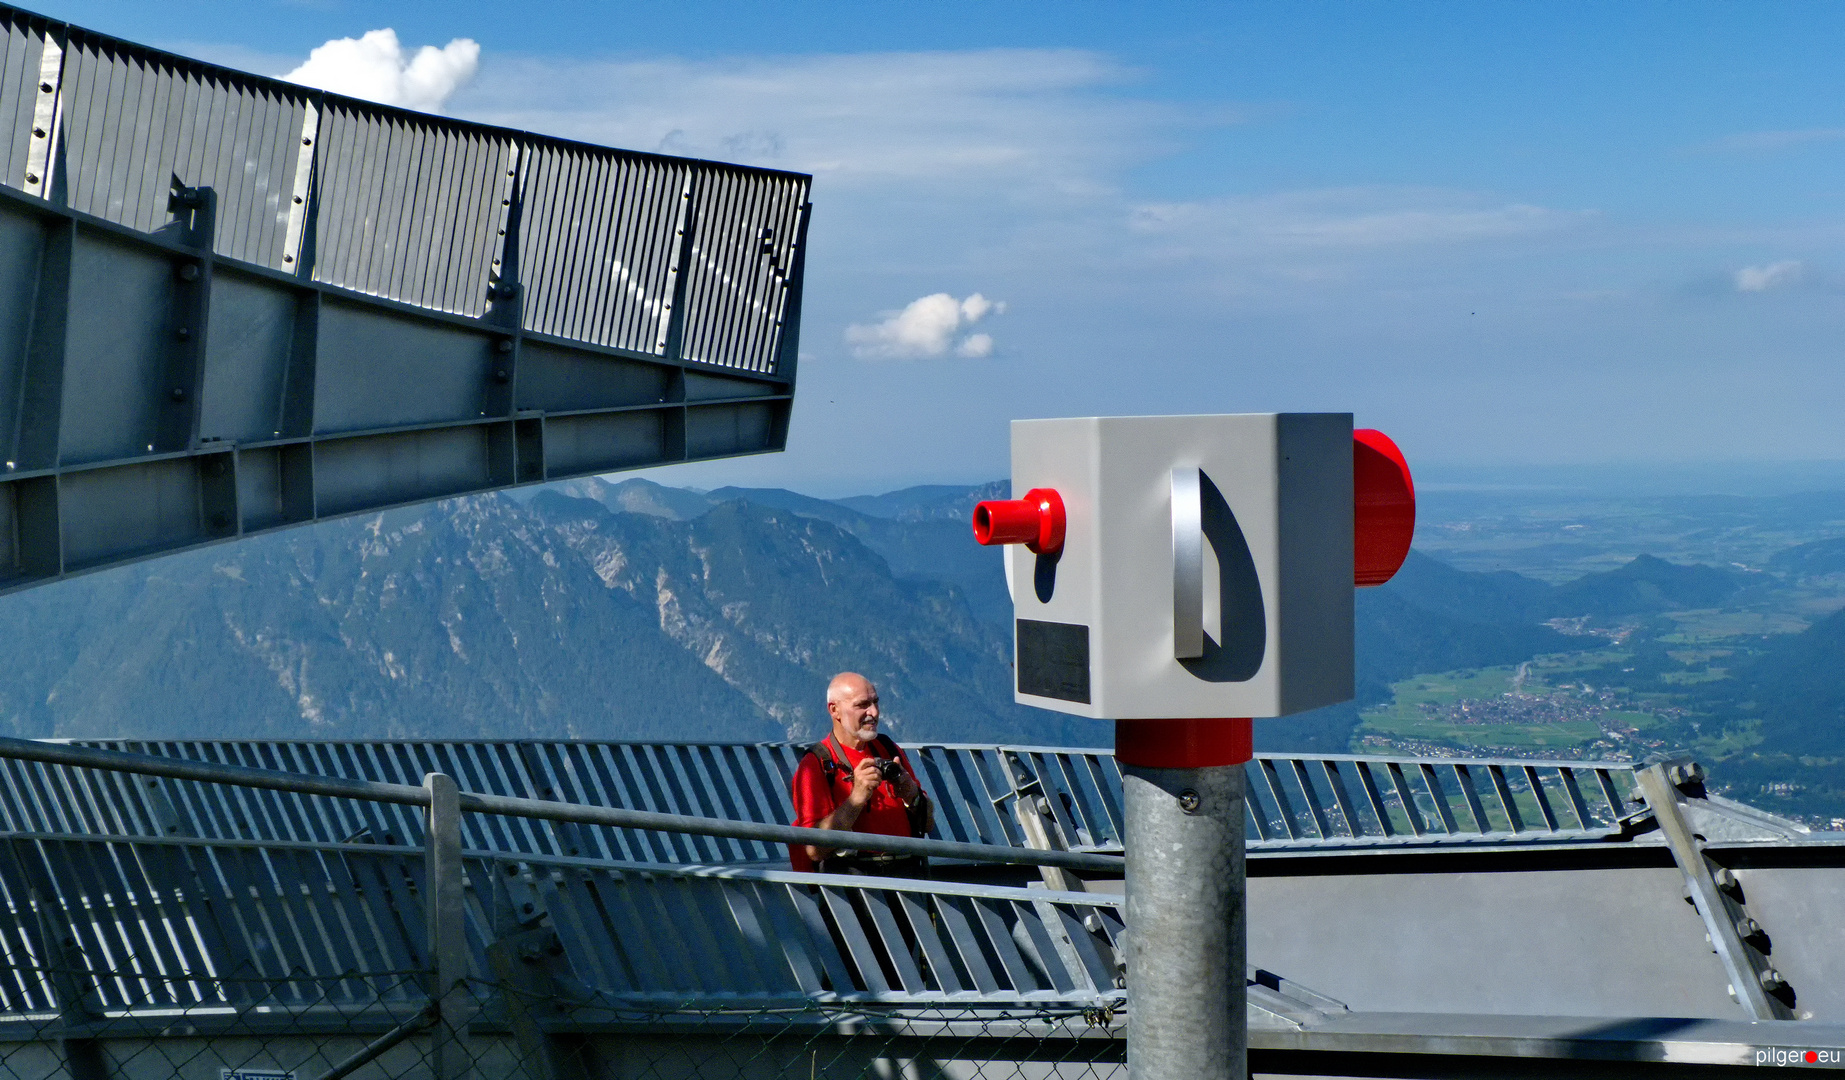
(1754,982)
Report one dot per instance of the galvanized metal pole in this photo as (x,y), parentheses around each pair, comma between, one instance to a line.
(446,910)
(1185,898)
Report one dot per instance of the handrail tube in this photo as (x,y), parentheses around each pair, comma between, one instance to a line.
(86,757)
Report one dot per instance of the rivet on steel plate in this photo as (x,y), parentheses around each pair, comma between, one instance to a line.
(38,133)
(44,88)
(179,394)
(189,272)
(182,332)
(505,345)
(1189,801)
(31,178)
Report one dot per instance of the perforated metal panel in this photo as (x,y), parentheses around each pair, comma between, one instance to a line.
(409,210)
(131,121)
(586,277)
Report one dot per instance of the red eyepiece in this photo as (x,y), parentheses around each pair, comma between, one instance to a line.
(1383,506)
(1037,521)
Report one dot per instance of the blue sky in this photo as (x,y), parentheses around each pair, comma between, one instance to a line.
(1510,234)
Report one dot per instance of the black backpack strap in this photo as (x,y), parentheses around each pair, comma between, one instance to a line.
(828,763)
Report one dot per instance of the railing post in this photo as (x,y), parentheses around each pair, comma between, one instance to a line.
(447,927)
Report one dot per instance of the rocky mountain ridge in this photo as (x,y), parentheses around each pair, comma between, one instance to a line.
(597,610)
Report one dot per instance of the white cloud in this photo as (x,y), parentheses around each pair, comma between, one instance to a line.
(1772,276)
(376,68)
(975,345)
(1043,118)
(926,327)
(1348,218)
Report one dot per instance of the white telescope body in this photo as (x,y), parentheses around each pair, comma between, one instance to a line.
(1205,569)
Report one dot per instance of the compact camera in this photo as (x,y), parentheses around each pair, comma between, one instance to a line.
(889,770)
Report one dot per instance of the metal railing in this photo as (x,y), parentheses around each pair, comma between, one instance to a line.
(1017,797)
(652,255)
(481,961)
(336,787)
(343,926)
(1349,799)
(119,936)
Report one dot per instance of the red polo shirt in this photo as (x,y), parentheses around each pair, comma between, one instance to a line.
(815,797)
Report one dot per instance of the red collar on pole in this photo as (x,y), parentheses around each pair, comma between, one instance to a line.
(1183,744)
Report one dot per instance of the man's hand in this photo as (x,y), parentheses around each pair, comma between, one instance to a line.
(906,788)
(865,781)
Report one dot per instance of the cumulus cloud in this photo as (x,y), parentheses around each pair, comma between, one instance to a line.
(1772,276)
(928,326)
(377,68)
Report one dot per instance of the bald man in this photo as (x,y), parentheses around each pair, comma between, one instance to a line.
(848,781)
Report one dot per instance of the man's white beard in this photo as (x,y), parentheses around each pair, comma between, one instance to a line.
(867,731)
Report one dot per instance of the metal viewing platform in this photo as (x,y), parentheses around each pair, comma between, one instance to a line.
(230,304)
(1443,927)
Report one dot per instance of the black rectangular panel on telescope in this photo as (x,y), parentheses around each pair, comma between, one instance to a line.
(1053,660)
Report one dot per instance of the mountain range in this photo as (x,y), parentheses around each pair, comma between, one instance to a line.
(632,610)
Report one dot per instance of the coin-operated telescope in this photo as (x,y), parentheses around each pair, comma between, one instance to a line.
(1181,575)
(1180,567)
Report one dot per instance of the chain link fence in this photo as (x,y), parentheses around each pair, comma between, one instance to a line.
(382,1026)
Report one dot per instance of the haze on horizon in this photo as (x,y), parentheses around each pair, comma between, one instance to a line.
(1549,236)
